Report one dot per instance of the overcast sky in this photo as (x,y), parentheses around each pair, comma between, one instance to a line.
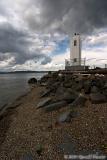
(36,34)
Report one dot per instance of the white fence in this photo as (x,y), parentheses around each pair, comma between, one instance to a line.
(73,62)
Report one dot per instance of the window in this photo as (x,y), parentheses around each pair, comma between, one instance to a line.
(75,59)
(75,42)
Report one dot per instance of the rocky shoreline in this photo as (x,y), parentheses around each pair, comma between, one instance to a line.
(4,109)
(62,114)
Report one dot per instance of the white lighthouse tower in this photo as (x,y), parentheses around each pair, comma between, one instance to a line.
(75,63)
(75,50)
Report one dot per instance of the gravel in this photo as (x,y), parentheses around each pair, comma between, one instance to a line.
(25,127)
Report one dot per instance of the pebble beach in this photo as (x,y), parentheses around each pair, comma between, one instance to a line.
(24,129)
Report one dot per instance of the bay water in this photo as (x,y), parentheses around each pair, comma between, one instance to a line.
(13,85)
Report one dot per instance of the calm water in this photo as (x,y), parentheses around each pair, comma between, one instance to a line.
(14,85)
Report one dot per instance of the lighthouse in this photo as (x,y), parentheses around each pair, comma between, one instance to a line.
(75,62)
(75,50)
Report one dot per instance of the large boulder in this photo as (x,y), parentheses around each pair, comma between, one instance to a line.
(105,86)
(68,81)
(44,102)
(100,82)
(45,78)
(97,98)
(66,94)
(45,93)
(55,106)
(79,101)
(67,84)
(77,85)
(54,86)
(60,90)
(69,97)
(61,77)
(94,89)
(32,81)
(104,91)
(65,117)
(87,87)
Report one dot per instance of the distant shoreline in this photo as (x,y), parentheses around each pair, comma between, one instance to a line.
(24,72)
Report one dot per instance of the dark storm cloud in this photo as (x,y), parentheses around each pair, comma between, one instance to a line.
(16,43)
(68,16)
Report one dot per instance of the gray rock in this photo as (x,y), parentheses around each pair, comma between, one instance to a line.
(65,117)
(87,87)
(45,93)
(105,92)
(97,98)
(60,90)
(45,78)
(44,103)
(105,86)
(100,82)
(55,106)
(67,84)
(67,95)
(79,86)
(53,86)
(80,101)
(94,89)
(32,81)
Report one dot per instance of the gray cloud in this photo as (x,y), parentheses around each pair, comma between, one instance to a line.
(17,43)
(46,60)
(68,16)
